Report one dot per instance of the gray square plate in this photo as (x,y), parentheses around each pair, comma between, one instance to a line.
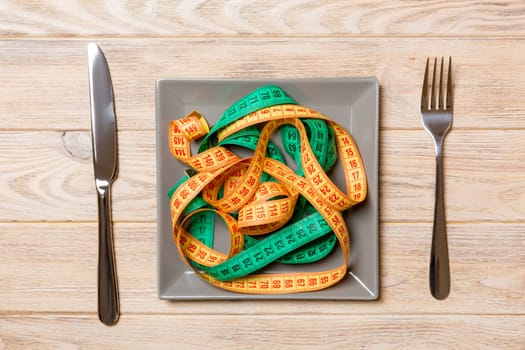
(351,102)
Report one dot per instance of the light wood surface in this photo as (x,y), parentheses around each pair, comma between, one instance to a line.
(48,209)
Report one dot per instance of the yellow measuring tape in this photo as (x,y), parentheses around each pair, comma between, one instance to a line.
(257,196)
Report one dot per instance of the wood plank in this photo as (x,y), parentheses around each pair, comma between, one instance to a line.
(478,167)
(51,268)
(43,83)
(47,217)
(48,176)
(258,332)
(290,17)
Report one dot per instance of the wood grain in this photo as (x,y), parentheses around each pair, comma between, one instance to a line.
(51,268)
(259,18)
(48,208)
(290,332)
(43,83)
(48,176)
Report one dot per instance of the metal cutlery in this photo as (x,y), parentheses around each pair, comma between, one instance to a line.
(436,111)
(104,138)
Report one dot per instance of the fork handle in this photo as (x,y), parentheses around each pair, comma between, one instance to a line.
(439,274)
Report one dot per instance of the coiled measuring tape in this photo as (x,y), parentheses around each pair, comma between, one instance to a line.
(273,213)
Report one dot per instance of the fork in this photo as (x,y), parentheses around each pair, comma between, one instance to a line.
(436,114)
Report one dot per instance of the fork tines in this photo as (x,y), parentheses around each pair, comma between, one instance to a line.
(439,102)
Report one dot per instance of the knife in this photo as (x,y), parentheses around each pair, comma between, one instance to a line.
(104,139)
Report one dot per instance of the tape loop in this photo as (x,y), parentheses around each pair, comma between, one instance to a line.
(273,213)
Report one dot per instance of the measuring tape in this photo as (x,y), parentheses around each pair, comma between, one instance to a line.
(273,213)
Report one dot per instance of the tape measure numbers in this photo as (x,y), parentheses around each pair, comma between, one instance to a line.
(273,213)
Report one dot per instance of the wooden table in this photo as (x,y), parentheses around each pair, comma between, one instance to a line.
(49,210)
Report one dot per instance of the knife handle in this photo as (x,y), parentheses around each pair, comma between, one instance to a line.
(108,298)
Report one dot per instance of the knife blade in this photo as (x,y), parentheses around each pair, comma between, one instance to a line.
(105,164)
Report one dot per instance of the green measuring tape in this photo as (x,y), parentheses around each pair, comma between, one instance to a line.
(322,141)
(306,237)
